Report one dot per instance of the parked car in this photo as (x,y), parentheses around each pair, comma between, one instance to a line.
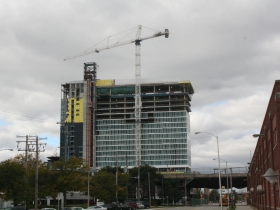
(97,208)
(132,204)
(76,208)
(146,204)
(124,206)
(48,209)
(140,205)
(105,206)
(114,206)
(14,208)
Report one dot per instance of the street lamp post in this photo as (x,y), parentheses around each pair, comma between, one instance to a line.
(231,197)
(227,178)
(220,184)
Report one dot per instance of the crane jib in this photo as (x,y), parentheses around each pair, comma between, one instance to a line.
(118,44)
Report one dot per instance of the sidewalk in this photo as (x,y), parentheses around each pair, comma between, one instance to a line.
(243,207)
(203,207)
(239,207)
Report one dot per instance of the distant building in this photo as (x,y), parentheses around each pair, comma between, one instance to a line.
(98,123)
(206,192)
(51,161)
(261,193)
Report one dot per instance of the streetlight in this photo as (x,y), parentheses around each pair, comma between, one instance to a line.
(258,135)
(220,184)
(6,149)
(227,177)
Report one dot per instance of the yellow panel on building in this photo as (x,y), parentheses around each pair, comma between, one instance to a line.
(75,112)
(105,82)
(184,82)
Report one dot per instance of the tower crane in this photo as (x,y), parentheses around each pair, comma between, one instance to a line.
(138,104)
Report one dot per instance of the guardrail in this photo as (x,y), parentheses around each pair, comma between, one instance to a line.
(235,170)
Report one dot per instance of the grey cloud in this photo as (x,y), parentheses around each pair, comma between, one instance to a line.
(229,50)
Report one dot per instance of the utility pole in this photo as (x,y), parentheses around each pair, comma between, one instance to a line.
(25,163)
(33,146)
(185,192)
(26,146)
(162,190)
(117,171)
(149,188)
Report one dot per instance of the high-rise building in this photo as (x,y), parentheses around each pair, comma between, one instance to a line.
(98,123)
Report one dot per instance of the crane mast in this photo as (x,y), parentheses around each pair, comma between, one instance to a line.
(138,103)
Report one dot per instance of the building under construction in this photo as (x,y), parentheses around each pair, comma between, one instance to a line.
(98,123)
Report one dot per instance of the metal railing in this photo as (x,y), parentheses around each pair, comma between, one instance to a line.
(235,170)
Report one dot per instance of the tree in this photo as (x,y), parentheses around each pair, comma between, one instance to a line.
(214,196)
(155,179)
(112,170)
(12,183)
(122,186)
(17,182)
(28,177)
(44,188)
(104,186)
(69,175)
(18,168)
(172,190)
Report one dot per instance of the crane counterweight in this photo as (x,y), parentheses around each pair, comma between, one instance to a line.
(166,33)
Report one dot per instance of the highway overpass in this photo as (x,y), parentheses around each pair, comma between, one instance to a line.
(211,181)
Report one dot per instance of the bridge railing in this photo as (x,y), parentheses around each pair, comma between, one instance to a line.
(235,170)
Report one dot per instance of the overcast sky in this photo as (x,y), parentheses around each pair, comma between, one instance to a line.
(229,50)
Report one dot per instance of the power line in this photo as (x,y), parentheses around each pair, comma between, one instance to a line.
(6,114)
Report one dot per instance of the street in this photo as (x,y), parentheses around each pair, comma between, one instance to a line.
(239,206)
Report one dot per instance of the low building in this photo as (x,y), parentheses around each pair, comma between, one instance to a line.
(261,193)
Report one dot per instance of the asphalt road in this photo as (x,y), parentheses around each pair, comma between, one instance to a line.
(239,206)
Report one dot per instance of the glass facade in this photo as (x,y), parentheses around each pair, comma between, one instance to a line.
(102,120)
(165,142)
